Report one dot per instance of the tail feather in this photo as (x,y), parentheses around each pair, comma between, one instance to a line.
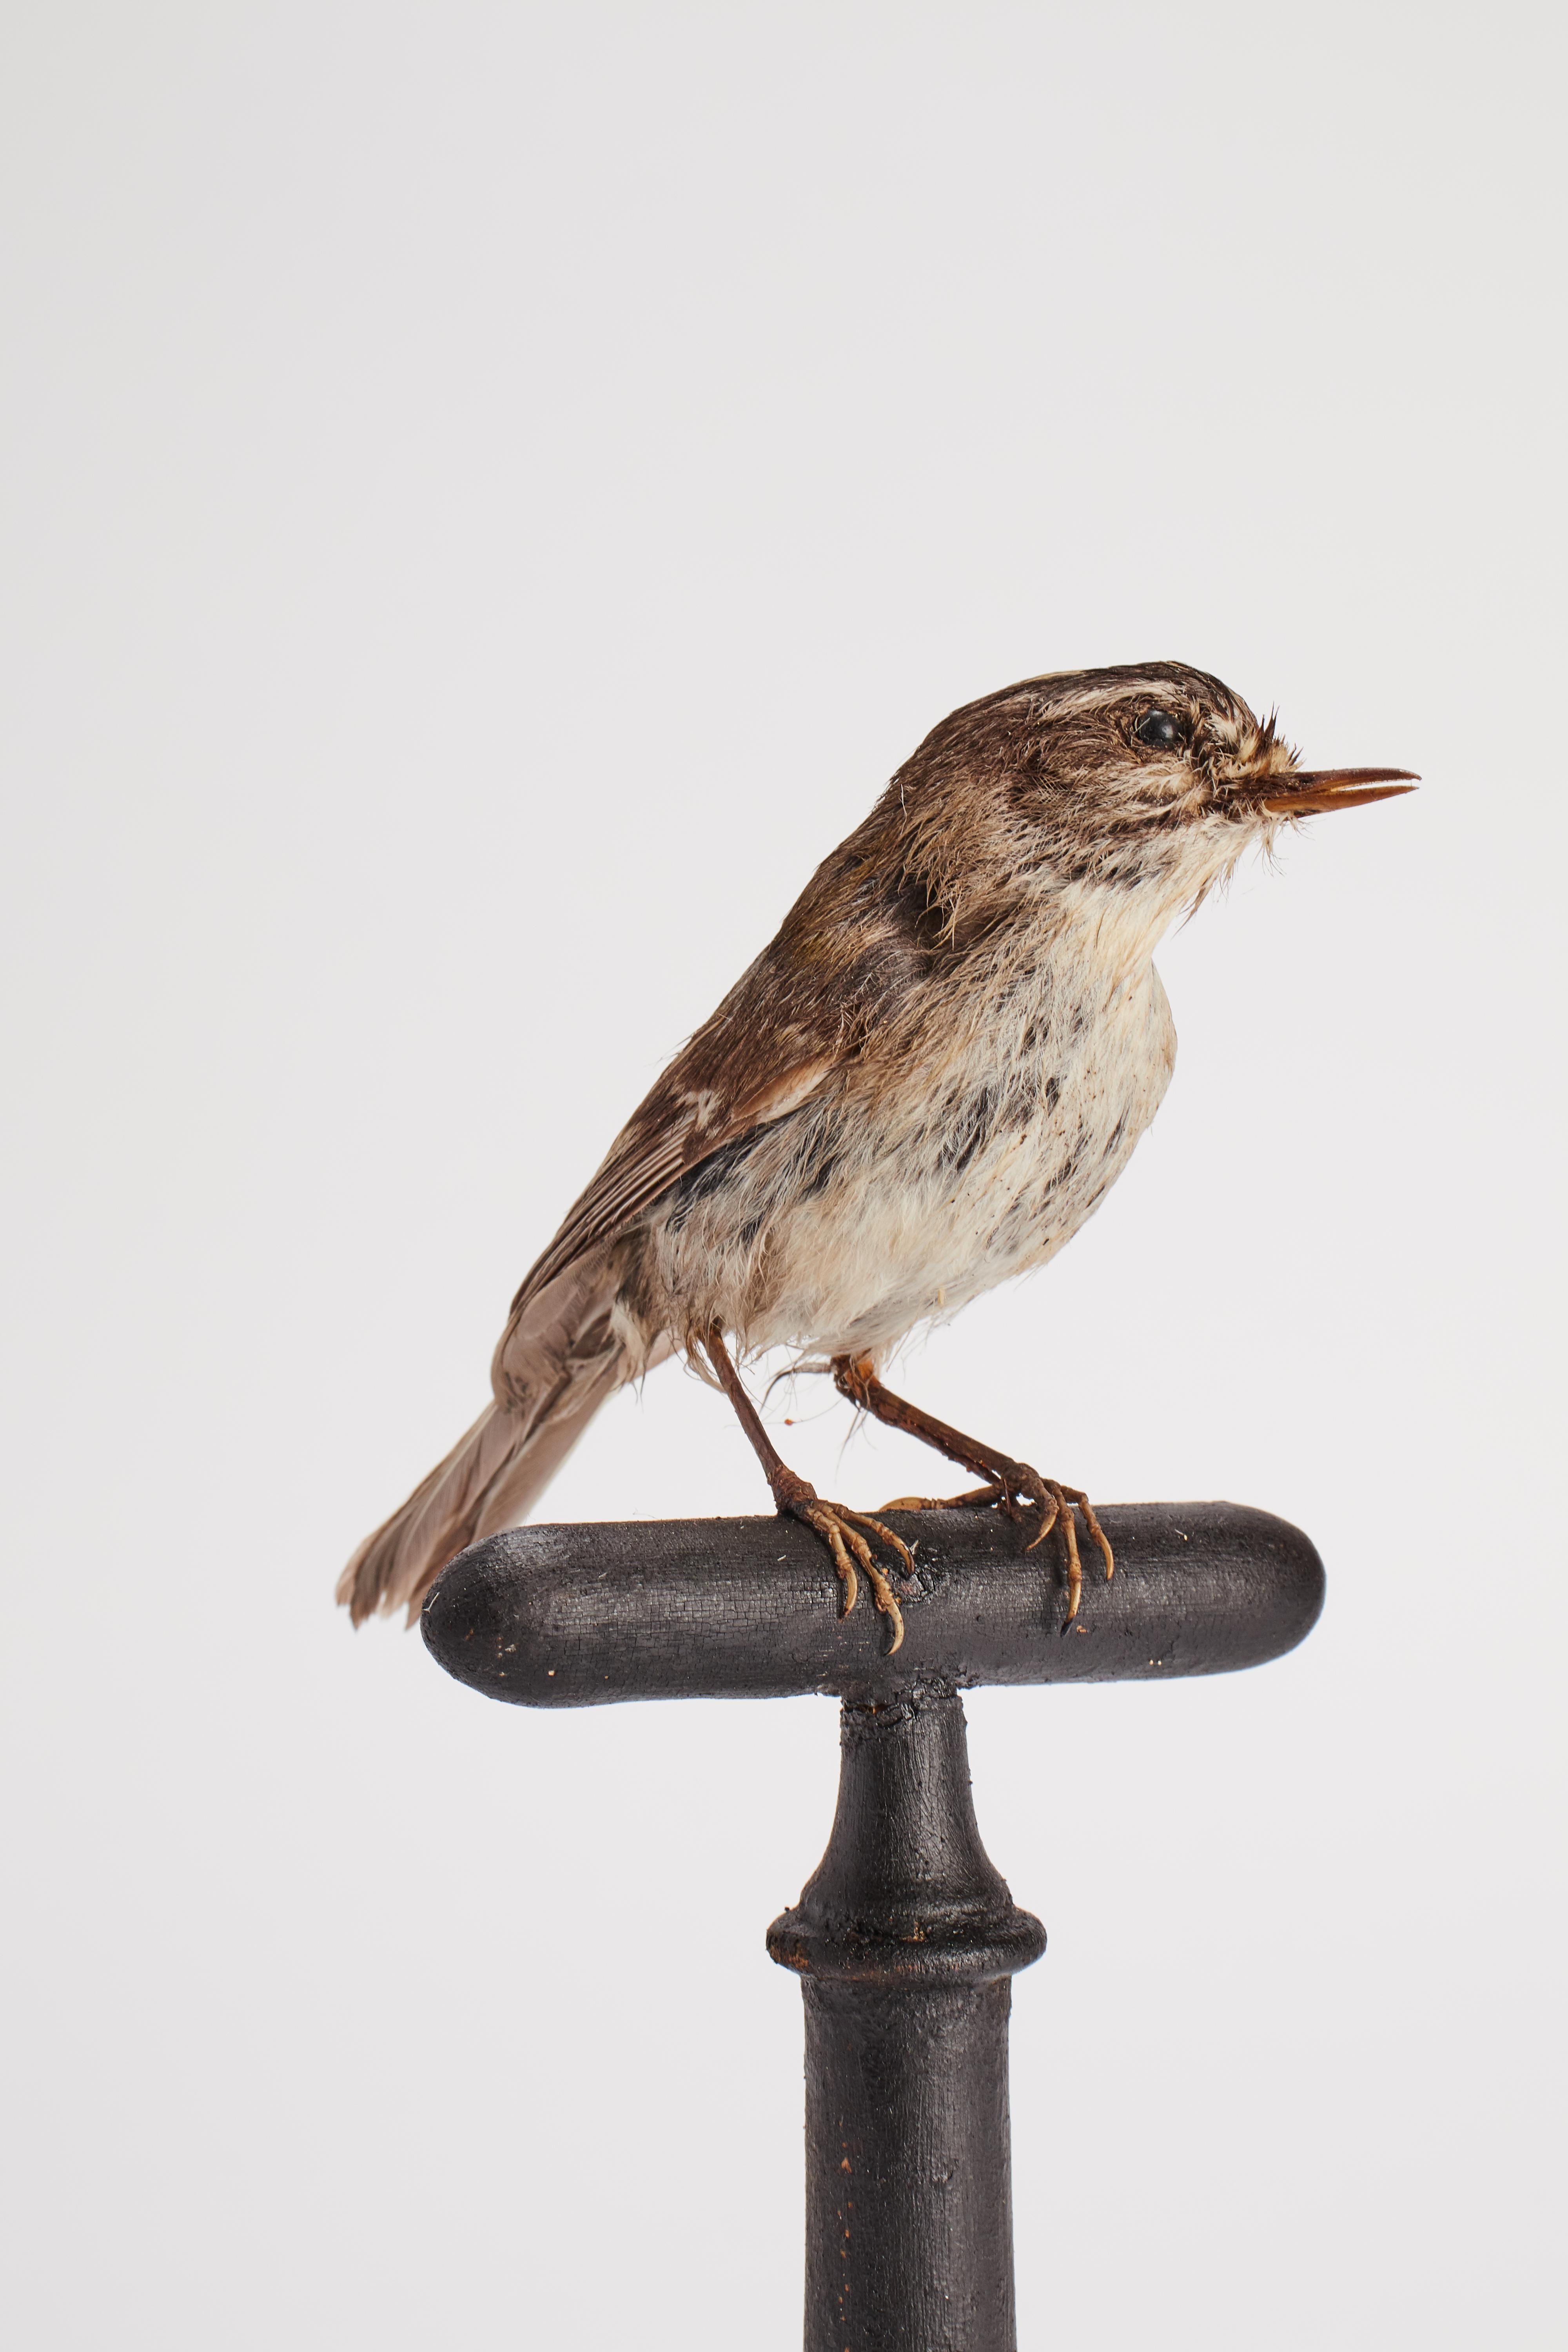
(555,1367)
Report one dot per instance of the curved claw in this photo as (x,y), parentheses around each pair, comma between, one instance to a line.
(894,1543)
(826,1527)
(1056,1504)
(1098,1532)
(1061,1509)
(840,1530)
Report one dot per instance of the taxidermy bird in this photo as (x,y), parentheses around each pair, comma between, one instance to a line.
(922,1086)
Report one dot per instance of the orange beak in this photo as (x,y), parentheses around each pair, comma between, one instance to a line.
(1314,793)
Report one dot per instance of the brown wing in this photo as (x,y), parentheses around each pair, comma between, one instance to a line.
(858,940)
(679,1124)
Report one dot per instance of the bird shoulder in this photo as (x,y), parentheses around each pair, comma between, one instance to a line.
(857,942)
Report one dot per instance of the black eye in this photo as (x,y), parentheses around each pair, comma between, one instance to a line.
(1158,730)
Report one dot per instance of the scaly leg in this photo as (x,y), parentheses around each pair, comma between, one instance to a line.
(840,1528)
(856,1378)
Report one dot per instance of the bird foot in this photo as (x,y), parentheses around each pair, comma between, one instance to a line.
(975,1497)
(841,1530)
(1013,1491)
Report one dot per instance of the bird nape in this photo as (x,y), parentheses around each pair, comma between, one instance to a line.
(923,1084)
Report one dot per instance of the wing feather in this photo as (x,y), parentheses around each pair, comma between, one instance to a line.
(857,942)
(645,1161)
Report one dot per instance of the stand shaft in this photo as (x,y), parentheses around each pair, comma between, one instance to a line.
(906,1937)
(909,2200)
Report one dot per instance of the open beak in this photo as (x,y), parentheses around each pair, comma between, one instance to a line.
(1315,792)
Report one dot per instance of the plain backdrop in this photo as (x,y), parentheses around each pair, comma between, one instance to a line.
(491,492)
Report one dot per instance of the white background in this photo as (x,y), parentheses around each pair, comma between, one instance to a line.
(492,491)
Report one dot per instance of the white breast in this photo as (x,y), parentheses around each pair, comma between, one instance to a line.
(902,1197)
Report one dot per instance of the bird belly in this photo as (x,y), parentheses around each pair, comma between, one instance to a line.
(847,1223)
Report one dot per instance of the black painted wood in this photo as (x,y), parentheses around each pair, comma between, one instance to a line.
(906,1936)
(578,1616)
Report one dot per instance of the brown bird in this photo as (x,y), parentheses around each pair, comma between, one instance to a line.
(923,1084)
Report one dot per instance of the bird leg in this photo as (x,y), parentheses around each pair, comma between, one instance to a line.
(1006,1480)
(840,1528)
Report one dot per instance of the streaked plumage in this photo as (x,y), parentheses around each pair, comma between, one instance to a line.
(924,1084)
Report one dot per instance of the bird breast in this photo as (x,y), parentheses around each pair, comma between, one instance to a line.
(967,1144)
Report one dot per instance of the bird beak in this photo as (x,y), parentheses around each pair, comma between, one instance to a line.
(1315,792)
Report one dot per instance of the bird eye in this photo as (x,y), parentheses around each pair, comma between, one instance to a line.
(1158,730)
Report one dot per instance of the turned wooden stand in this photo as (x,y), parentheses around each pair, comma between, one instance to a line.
(905,1938)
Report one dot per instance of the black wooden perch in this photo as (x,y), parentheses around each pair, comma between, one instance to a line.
(906,1936)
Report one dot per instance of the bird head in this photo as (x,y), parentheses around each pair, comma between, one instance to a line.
(1169,747)
(1144,784)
